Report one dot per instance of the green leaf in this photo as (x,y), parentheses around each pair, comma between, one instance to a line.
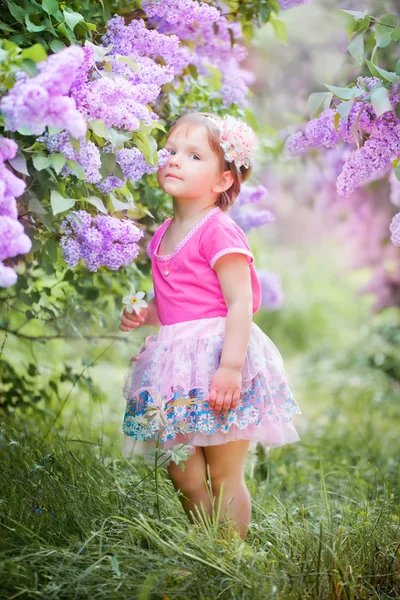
(58,161)
(118,172)
(397,109)
(51,249)
(36,53)
(5,27)
(99,128)
(97,202)
(31,26)
(60,204)
(35,206)
(108,162)
(280,28)
(356,47)
(72,18)
(344,108)
(89,26)
(378,72)
(356,14)
(24,131)
(100,51)
(50,6)
(318,102)
(65,32)
(118,205)
(57,45)
(19,163)
(344,93)
(41,161)
(17,11)
(76,168)
(396,33)
(29,67)
(147,146)
(75,143)
(380,100)
(383,35)
(131,62)
(398,67)
(118,139)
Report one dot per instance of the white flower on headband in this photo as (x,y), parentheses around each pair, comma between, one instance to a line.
(238,141)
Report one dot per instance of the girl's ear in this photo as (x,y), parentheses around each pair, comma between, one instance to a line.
(224,183)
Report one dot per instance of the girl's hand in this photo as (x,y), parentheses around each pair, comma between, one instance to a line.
(225,389)
(132,320)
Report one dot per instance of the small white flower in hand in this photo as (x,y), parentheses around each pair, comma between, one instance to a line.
(135,302)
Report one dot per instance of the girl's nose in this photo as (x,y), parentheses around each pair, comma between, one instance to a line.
(174,160)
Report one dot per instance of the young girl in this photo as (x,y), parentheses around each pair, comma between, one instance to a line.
(210,377)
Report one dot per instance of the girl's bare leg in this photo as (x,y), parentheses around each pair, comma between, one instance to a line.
(226,463)
(191,482)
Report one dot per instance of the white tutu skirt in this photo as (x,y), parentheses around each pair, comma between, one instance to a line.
(167,391)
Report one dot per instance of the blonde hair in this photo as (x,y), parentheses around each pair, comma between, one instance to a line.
(240,175)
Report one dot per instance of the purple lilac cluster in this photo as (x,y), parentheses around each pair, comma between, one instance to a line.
(121,98)
(271,289)
(245,214)
(13,240)
(99,241)
(88,155)
(395,230)
(374,158)
(286,4)
(136,41)
(134,166)
(209,49)
(40,101)
(180,11)
(118,102)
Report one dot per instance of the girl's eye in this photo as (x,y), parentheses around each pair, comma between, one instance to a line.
(172,152)
(195,156)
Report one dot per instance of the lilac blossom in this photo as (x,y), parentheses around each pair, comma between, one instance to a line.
(181,11)
(286,4)
(100,241)
(135,40)
(39,101)
(118,103)
(13,240)
(88,155)
(381,137)
(271,289)
(244,213)
(395,230)
(134,166)
(394,189)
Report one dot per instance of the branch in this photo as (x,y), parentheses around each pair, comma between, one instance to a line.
(43,338)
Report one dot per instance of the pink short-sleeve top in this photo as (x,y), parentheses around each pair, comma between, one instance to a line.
(186,286)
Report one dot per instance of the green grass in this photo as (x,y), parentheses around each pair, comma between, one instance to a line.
(77,521)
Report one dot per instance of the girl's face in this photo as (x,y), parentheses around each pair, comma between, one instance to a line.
(193,169)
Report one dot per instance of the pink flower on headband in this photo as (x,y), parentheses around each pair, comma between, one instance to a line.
(238,141)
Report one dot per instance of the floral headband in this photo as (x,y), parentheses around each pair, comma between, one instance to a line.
(237,140)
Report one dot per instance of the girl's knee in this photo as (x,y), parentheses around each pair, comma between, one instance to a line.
(188,483)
